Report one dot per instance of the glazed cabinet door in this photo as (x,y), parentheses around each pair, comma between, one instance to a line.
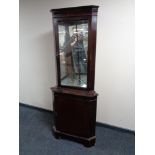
(72,52)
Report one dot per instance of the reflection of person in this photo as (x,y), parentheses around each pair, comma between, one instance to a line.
(68,55)
(74,52)
(79,55)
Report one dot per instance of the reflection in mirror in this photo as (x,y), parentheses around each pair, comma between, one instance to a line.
(73,48)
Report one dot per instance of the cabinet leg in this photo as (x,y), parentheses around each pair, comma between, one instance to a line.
(57,136)
(89,143)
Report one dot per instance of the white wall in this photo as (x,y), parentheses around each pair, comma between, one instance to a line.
(114,60)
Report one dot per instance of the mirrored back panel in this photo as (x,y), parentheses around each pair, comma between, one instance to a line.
(73,51)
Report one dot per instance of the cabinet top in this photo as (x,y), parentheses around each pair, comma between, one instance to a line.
(79,7)
(83,10)
(84,93)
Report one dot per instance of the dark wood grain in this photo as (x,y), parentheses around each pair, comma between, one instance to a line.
(76,92)
(75,11)
(88,13)
(75,107)
(75,116)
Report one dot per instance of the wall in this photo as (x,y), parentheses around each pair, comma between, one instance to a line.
(115,57)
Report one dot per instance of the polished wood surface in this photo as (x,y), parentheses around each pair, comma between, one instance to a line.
(80,13)
(75,11)
(75,107)
(77,92)
(75,115)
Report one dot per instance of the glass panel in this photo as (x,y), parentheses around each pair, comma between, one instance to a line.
(73,47)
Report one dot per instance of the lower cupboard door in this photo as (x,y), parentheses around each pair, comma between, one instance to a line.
(75,116)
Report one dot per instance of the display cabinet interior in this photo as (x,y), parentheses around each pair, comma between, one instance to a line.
(73,49)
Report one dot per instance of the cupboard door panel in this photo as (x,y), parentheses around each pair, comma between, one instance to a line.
(75,115)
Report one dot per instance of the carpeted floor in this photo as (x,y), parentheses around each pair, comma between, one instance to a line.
(36,138)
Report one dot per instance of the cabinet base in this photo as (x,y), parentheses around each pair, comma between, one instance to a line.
(87,142)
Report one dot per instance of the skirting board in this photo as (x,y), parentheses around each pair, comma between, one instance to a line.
(97,123)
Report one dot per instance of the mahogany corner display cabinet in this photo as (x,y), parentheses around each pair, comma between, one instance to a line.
(75,100)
